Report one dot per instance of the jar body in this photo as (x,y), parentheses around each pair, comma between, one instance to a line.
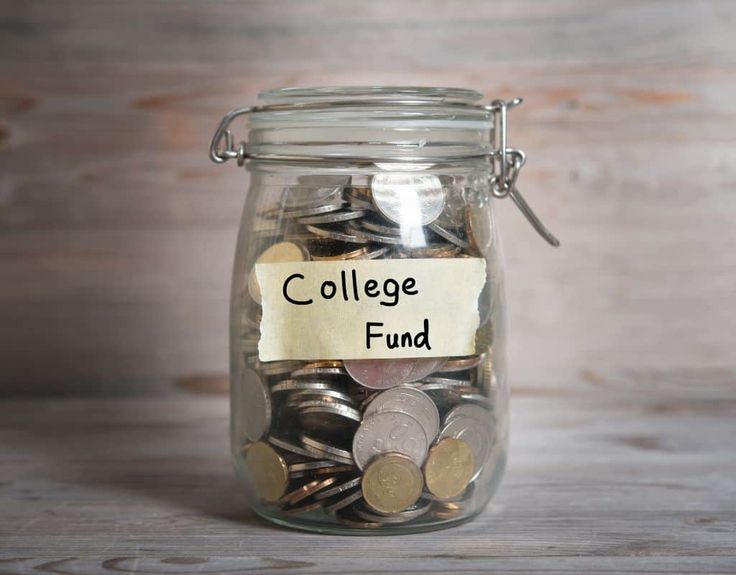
(412,441)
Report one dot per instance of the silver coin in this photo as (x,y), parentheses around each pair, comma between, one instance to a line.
(376,253)
(314,189)
(333,218)
(274,367)
(332,419)
(338,489)
(477,399)
(379,373)
(312,465)
(389,431)
(450,235)
(328,395)
(450,381)
(467,410)
(252,404)
(342,501)
(312,211)
(413,512)
(473,429)
(290,447)
(409,199)
(374,237)
(453,214)
(320,448)
(425,366)
(411,401)
(300,385)
(336,234)
(312,370)
(380,228)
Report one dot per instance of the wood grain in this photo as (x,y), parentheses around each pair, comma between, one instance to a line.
(117,234)
(600,482)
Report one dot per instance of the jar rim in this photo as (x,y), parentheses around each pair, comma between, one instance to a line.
(370,93)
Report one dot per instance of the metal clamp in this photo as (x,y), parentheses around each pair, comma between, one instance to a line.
(506,163)
(219,155)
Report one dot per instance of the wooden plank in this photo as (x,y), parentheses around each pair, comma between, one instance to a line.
(116,233)
(608,482)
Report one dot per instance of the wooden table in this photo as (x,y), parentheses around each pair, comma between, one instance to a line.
(604,478)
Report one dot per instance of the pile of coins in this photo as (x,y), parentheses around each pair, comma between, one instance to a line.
(369,443)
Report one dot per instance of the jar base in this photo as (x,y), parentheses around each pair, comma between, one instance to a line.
(325,528)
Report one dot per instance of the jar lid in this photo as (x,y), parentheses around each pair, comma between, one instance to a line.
(362,93)
(370,123)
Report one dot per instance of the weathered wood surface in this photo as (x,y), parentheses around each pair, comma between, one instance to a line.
(601,480)
(117,234)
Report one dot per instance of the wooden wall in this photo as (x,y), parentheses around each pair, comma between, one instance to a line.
(117,233)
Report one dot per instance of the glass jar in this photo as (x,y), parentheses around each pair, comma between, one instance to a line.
(367,330)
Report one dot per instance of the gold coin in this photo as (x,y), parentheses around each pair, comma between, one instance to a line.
(391,483)
(449,468)
(267,471)
(277,253)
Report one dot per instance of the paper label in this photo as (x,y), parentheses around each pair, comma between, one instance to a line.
(369,309)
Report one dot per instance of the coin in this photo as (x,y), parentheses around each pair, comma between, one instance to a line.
(327,419)
(339,488)
(449,468)
(277,253)
(274,367)
(312,211)
(379,373)
(370,236)
(424,366)
(314,189)
(449,381)
(452,236)
(411,401)
(267,471)
(409,514)
(306,490)
(335,232)
(333,218)
(479,225)
(304,384)
(321,449)
(380,228)
(319,369)
(461,363)
(409,200)
(288,446)
(472,424)
(252,407)
(391,483)
(389,431)
(312,465)
(342,500)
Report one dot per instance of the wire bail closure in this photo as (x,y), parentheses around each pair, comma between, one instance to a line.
(506,162)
